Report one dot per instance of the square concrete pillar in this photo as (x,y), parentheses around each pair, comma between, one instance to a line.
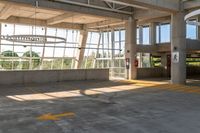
(178,48)
(164,64)
(153,33)
(130,47)
(140,43)
(81,50)
(198,32)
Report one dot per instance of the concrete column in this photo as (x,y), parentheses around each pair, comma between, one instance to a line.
(153,33)
(178,68)
(112,52)
(164,64)
(140,34)
(198,32)
(81,50)
(164,60)
(130,47)
(97,51)
(140,42)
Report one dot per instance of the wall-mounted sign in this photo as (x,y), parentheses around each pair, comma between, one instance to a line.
(36,39)
(175,57)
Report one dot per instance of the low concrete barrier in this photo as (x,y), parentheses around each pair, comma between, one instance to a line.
(45,76)
(161,72)
(150,72)
(193,71)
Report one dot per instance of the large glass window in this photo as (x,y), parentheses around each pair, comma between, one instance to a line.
(91,50)
(137,36)
(163,33)
(103,49)
(146,35)
(143,35)
(32,56)
(191,31)
(107,51)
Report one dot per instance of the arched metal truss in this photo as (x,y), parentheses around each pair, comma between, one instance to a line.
(190,15)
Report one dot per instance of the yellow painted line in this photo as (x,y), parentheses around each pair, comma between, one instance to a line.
(167,86)
(186,90)
(180,88)
(197,92)
(142,82)
(56,117)
(144,85)
(164,86)
(171,87)
(193,91)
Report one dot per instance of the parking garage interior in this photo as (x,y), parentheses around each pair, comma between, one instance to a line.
(99,66)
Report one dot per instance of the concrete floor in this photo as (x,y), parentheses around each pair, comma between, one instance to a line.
(100,107)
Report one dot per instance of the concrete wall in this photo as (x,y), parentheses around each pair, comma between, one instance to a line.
(193,71)
(161,72)
(45,76)
(192,46)
(150,72)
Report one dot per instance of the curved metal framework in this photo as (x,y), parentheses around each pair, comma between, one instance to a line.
(35,39)
(190,15)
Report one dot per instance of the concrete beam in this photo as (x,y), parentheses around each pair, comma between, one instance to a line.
(191,46)
(60,18)
(52,5)
(7,11)
(82,44)
(192,4)
(154,20)
(147,48)
(162,5)
(105,23)
(28,21)
(166,19)
(149,14)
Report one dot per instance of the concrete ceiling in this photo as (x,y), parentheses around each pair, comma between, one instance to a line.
(44,14)
(9,12)
(53,13)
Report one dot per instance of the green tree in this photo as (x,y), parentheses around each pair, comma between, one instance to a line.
(9,63)
(88,61)
(57,63)
(35,61)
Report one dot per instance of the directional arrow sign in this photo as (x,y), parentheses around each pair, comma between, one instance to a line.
(54,117)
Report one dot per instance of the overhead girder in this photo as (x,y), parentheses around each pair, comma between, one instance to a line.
(69,6)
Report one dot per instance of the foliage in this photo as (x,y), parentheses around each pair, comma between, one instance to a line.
(155,61)
(35,61)
(88,61)
(193,61)
(8,64)
(57,64)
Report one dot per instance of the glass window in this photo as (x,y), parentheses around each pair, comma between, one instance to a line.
(137,36)
(146,35)
(143,35)
(191,31)
(163,33)
(18,56)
